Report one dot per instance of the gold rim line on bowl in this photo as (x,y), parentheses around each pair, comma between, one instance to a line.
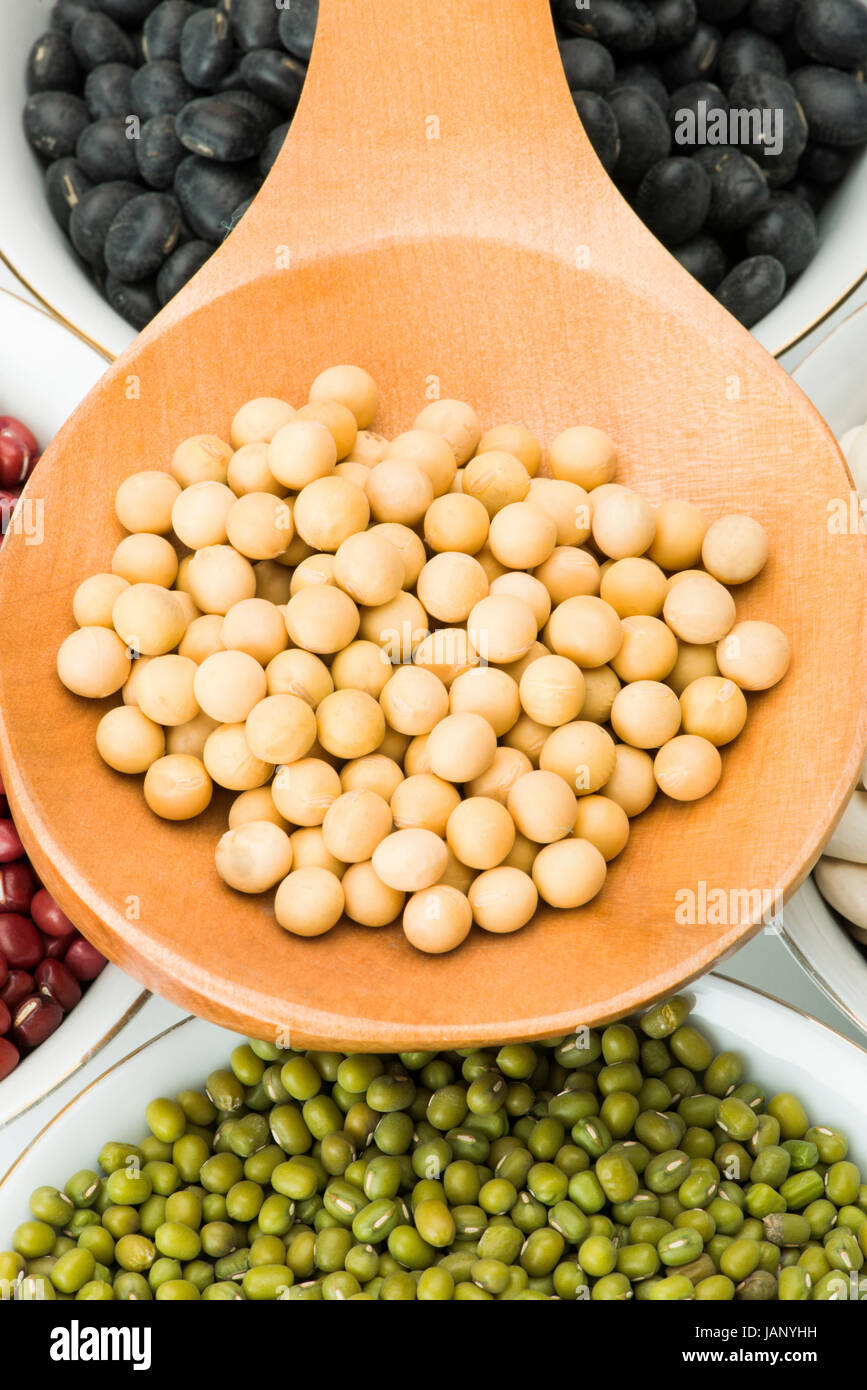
(192,1018)
(45,307)
(91,1052)
(844,323)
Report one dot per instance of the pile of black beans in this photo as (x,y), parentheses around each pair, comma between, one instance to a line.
(157,121)
(741,217)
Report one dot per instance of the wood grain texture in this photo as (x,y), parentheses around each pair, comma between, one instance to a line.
(499,259)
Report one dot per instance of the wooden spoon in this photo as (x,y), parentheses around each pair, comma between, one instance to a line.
(438,216)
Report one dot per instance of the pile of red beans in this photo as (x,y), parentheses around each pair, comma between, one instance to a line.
(45,964)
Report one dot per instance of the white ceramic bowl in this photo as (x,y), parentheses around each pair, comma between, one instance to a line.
(36,248)
(784,1050)
(44,373)
(834,376)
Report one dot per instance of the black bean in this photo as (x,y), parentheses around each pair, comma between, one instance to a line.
(240,211)
(694,59)
(627,26)
(161,35)
(738,188)
(138,304)
(704,258)
(159,152)
(180,267)
(142,235)
(160,89)
(65,185)
(53,122)
(52,65)
(588,66)
(272,147)
(744,51)
(207,48)
(600,127)
(94,214)
(264,112)
(644,76)
(673,199)
(105,151)
(209,193)
(255,23)
(220,129)
(691,110)
(753,289)
(772,16)
(96,39)
(833,31)
(720,11)
(834,103)
(108,90)
(825,164)
(776,131)
(66,12)
(297,27)
(276,76)
(675,22)
(131,14)
(644,133)
(787,230)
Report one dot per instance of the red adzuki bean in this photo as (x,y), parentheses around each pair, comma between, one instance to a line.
(57,983)
(35,1019)
(20,942)
(84,960)
(8,1057)
(19,452)
(17,887)
(48,916)
(5,1019)
(4,970)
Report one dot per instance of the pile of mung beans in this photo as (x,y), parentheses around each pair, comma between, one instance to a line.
(436,668)
(632,1162)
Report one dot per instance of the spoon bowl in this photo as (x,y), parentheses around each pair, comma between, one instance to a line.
(441,247)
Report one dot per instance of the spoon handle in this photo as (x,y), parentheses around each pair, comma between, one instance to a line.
(431,118)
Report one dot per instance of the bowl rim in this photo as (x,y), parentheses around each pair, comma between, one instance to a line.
(708,982)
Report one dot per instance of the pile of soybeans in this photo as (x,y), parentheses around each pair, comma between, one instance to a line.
(443,672)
